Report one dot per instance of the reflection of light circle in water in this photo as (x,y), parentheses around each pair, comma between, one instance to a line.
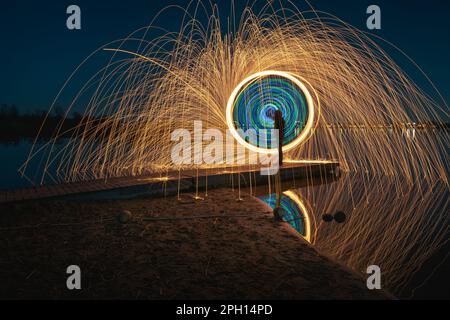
(253,103)
(296,213)
(306,219)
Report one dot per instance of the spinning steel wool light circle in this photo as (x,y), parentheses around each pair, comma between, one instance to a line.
(253,103)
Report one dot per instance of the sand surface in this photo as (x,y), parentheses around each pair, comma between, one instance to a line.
(243,254)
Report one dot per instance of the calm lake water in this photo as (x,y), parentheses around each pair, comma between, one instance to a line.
(12,156)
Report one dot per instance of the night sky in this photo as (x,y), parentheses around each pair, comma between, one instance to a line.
(38,52)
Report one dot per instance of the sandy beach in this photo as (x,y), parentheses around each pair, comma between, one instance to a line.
(217,248)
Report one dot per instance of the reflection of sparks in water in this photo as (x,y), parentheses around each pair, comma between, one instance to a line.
(397,231)
(294,212)
(397,227)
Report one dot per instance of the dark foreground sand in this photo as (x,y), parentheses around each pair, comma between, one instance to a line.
(234,257)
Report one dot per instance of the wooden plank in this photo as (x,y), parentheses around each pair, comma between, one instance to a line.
(147,179)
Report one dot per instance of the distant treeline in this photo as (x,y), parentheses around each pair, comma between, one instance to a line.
(16,126)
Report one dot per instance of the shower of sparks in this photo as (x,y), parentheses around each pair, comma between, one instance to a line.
(151,87)
(143,95)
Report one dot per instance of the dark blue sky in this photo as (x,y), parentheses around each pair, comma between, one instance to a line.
(38,52)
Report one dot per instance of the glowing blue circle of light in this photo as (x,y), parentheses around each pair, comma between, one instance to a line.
(253,105)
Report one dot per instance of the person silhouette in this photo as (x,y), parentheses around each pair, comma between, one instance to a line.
(279,125)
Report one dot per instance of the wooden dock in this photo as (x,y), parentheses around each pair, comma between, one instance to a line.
(168,183)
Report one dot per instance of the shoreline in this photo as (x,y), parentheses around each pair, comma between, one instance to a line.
(239,252)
